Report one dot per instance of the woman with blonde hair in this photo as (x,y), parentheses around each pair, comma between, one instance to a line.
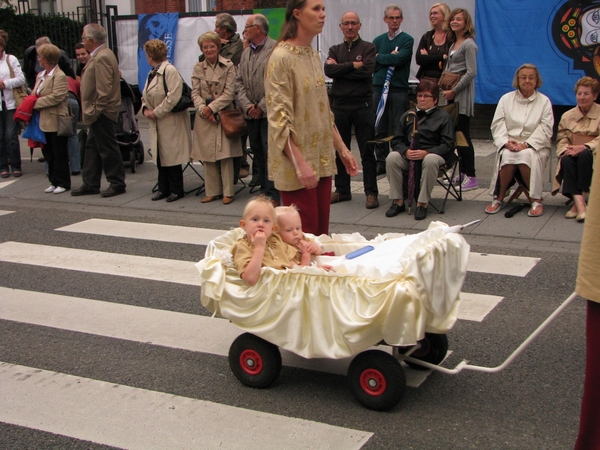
(51,87)
(576,144)
(213,90)
(170,132)
(432,52)
(462,59)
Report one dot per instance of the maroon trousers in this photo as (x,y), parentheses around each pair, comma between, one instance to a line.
(313,206)
(589,425)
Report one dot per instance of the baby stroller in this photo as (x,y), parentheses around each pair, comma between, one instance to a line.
(128,132)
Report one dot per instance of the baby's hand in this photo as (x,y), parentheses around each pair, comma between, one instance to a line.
(311,247)
(259,239)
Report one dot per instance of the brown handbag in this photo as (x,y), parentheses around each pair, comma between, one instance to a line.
(448,80)
(233,123)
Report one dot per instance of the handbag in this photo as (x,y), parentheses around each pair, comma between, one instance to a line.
(233,123)
(449,80)
(185,101)
(19,92)
(65,124)
(33,130)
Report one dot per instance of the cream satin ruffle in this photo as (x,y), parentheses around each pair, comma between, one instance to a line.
(405,287)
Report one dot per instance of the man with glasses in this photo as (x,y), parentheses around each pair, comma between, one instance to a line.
(394,50)
(350,65)
(101,102)
(250,87)
(429,149)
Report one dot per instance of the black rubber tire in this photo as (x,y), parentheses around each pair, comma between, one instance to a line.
(433,350)
(140,152)
(254,361)
(377,380)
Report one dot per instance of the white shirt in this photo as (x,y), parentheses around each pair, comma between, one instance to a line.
(10,83)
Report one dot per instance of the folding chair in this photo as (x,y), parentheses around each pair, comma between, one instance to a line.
(447,171)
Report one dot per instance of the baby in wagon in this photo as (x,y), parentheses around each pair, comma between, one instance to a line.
(290,229)
(260,246)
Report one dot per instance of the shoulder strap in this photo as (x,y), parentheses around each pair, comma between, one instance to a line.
(12,72)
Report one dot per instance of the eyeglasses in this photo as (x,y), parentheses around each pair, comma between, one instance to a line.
(424,96)
(526,78)
(348,23)
(250,26)
(394,17)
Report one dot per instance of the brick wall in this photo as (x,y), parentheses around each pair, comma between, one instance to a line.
(159,6)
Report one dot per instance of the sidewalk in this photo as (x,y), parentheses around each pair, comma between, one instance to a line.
(551,232)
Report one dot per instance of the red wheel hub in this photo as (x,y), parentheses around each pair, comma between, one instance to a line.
(251,362)
(373,382)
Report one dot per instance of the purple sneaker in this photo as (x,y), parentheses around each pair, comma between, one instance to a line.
(456,180)
(469,183)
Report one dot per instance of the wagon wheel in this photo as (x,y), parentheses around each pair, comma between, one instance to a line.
(254,361)
(377,380)
(433,350)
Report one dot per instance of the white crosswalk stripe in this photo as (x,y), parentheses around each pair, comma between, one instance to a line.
(190,332)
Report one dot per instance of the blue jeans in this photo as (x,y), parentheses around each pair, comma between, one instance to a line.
(9,142)
(395,106)
(73,141)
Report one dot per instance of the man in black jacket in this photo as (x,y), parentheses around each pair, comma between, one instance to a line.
(351,65)
(31,67)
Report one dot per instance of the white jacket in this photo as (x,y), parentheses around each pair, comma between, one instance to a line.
(10,83)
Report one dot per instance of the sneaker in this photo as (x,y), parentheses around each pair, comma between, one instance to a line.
(59,190)
(50,189)
(455,180)
(469,183)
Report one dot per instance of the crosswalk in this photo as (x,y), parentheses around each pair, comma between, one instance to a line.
(141,418)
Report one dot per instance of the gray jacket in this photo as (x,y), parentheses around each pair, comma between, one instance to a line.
(250,82)
(464,61)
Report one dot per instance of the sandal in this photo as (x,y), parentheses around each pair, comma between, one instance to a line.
(494,207)
(4,175)
(536,210)
(17,173)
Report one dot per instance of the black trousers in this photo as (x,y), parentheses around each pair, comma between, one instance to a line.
(258,135)
(170,178)
(577,173)
(56,152)
(467,154)
(363,120)
(102,153)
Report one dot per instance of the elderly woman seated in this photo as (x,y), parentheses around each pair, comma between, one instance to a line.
(430,148)
(521,128)
(576,143)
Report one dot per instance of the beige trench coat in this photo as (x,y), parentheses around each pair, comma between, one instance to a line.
(216,83)
(588,272)
(170,133)
(574,122)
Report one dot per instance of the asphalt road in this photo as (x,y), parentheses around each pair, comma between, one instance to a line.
(533,404)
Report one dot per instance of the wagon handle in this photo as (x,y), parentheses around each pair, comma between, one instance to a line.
(463,365)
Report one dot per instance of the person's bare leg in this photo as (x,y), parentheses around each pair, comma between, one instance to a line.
(579,205)
(506,174)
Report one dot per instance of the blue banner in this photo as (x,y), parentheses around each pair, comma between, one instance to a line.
(161,26)
(561,37)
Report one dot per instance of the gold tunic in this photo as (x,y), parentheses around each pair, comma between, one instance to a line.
(298,107)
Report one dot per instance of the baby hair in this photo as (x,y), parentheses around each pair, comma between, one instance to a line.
(260,200)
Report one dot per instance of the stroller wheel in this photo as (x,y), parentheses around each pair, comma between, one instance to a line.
(140,152)
(433,350)
(254,361)
(377,380)
(132,160)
